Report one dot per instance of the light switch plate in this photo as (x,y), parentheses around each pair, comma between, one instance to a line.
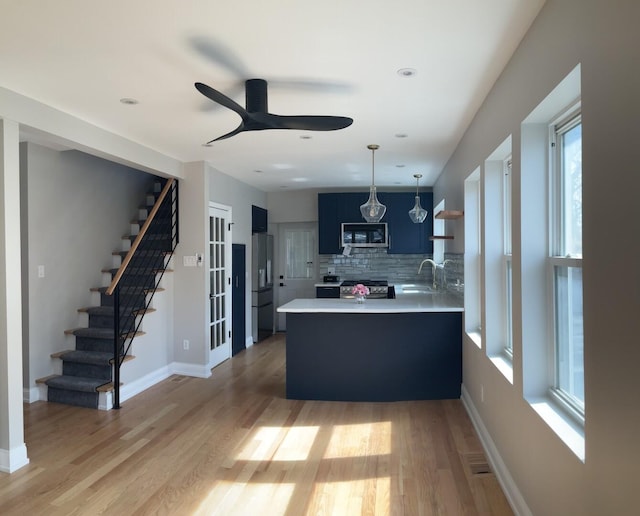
(190,261)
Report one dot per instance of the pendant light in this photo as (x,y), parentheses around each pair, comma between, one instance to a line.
(417,214)
(373,210)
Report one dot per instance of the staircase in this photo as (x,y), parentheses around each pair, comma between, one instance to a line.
(93,368)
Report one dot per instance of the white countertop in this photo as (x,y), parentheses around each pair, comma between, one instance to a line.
(437,302)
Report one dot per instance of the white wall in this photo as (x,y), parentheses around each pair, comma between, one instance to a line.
(75,209)
(224,189)
(602,37)
(200,185)
(294,206)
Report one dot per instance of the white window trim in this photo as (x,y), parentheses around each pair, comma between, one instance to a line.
(570,118)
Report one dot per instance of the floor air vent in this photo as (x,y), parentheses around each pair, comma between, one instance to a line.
(477,463)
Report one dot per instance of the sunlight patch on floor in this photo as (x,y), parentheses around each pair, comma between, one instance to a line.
(349,497)
(359,440)
(242,499)
(297,443)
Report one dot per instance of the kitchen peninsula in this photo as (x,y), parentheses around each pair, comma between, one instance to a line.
(408,348)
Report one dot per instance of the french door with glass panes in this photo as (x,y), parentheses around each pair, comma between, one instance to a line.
(219,264)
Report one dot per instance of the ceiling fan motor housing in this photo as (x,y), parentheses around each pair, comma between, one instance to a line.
(256,96)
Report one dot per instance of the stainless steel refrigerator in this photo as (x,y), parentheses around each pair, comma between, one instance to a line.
(262,286)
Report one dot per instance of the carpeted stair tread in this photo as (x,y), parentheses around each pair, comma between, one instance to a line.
(108,310)
(87,357)
(75,383)
(100,333)
(93,333)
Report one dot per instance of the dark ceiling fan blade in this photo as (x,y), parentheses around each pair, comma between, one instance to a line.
(237,130)
(221,99)
(305,122)
(219,54)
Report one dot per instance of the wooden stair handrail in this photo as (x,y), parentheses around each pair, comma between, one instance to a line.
(136,242)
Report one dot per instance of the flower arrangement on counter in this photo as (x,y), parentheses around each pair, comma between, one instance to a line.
(360,290)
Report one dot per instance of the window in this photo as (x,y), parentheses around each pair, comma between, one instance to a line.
(565,262)
(473,258)
(508,265)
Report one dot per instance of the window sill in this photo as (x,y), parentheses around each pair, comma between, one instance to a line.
(561,423)
(504,365)
(476,337)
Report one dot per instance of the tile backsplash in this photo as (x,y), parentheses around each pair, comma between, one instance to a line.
(376,263)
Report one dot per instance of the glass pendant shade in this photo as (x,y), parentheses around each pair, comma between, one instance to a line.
(417,214)
(373,210)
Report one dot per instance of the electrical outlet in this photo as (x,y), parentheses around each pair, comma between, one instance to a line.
(40,271)
(185,344)
(331,270)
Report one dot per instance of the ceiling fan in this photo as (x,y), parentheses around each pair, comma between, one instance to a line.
(256,117)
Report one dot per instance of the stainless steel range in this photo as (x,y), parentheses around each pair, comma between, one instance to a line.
(378,289)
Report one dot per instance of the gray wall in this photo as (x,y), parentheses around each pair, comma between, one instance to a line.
(603,38)
(75,209)
(203,184)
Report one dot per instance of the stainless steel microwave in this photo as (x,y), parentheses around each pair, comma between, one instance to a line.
(364,234)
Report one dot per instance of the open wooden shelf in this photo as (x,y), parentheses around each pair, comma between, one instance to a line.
(441,237)
(449,214)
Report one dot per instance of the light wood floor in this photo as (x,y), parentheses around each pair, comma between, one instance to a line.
(232,444)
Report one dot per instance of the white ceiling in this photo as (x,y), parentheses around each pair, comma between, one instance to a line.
(329,57)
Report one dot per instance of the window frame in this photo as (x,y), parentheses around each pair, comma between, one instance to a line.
(507,266)
(558,257)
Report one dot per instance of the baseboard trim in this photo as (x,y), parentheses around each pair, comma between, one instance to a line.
(511,491)
(130,389)
(13,459)
(33,394)
(195,370)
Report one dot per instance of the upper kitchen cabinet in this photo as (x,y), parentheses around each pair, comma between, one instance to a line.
(258,219)
(405,236)
(333,210)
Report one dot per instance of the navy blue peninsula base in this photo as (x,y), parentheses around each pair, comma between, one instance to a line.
(373,356)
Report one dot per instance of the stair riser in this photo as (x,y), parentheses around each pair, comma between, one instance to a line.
(153,262)
(86,370)
(76,398)
(106,321)
(155,245)
(147,281)
(89,344)
(138,300)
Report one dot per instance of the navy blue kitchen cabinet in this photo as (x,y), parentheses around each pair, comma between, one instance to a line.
(406,237)
(333,210)
(259,219)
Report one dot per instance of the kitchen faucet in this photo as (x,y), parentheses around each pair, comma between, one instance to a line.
(434,267)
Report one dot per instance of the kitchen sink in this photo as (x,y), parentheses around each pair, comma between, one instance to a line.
(416,289)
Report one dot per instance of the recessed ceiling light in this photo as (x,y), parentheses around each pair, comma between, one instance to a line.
(305,137)
(401,135)
(207,145)
(407,72)
(400,165)
(129,101)
(258,171)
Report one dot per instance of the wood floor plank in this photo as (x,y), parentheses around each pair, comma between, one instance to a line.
(233,444)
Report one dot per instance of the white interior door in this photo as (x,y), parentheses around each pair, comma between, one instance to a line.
(219,263)
(297,263)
